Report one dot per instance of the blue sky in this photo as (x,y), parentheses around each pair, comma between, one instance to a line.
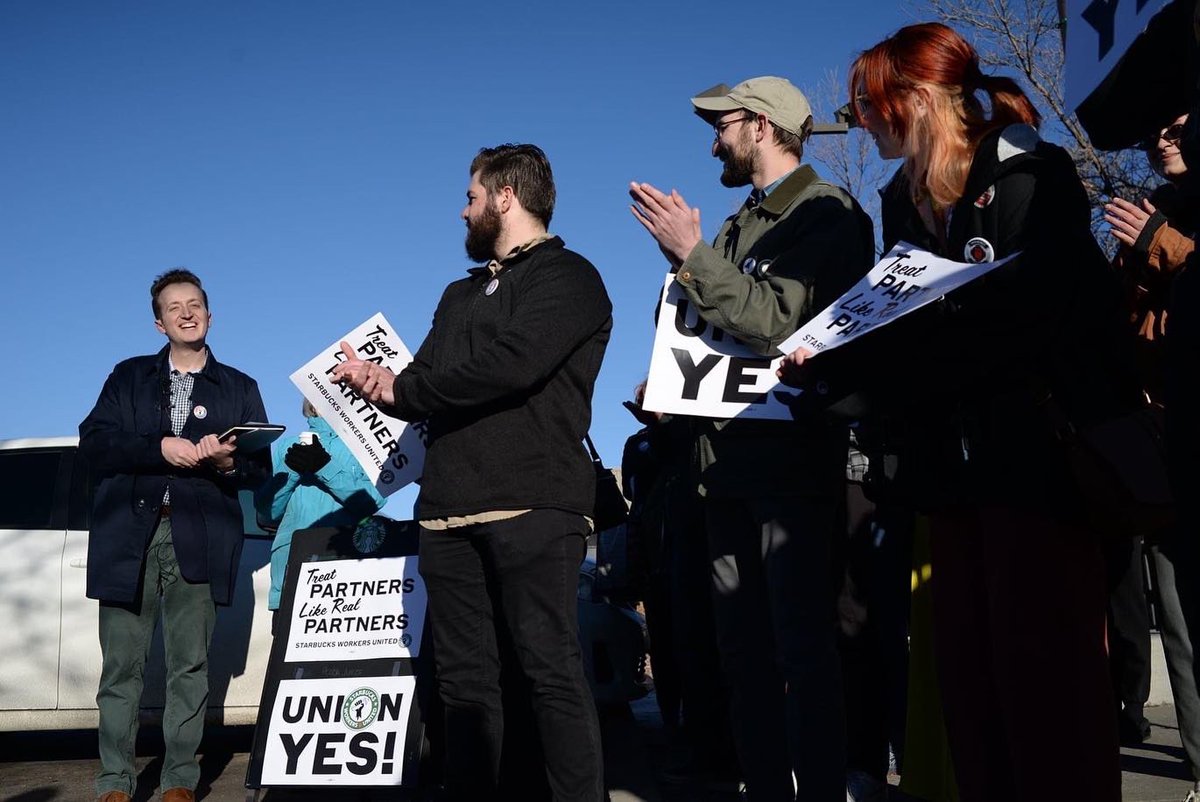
(309,161)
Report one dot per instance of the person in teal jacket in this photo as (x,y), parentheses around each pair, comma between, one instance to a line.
(313,485)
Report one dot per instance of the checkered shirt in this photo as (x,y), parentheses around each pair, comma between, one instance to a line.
(856,461)
(181,407)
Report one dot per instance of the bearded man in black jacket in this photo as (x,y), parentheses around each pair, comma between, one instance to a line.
(504,379)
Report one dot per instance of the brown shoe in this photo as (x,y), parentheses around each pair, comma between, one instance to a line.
(114,796)
(179,795)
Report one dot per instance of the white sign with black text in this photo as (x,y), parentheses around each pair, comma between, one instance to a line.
(357,610)
(339,731)
(698,369)
(391,451)
(1098,34)
(907,278)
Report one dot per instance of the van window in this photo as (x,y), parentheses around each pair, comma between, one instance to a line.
(27,490)
(79,508)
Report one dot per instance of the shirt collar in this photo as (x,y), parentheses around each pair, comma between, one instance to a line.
(781,194)
(757,196)
(171,364)
(162,362)
(496,265)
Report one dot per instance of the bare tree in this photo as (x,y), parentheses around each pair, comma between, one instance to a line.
(1023,37)
(849,159)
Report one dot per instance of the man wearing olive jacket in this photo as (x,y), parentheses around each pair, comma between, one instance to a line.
(166,528)
(770,488)
(505,380)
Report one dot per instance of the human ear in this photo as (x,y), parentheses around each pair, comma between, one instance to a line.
(761,125)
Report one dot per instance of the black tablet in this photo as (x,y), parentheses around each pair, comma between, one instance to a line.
(253,436)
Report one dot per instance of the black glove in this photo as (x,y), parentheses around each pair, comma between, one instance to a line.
(306,459)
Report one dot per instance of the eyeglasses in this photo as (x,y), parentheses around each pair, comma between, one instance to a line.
(719,128)
(1172,134)
(863,102)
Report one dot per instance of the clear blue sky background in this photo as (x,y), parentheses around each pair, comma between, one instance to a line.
(309,161)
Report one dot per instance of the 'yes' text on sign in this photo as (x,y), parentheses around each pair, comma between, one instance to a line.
(698,369)
(339,731)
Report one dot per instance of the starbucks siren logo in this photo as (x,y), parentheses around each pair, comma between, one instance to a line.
(360,708)
(369,535)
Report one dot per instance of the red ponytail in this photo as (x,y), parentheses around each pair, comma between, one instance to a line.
(940,144)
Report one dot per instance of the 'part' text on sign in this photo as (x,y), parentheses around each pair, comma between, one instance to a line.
(906,279)
(391,451)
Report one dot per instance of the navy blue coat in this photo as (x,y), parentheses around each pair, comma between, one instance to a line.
(122,440)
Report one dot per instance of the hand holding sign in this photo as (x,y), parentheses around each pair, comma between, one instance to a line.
(391,451)
(373,381)
(674,225)
(790,371)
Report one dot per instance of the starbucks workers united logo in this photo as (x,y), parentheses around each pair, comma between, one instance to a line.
(360,708)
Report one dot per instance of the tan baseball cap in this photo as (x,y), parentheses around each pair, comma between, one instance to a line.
(781,102)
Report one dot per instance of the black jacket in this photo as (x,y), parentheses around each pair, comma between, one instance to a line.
(961,386)
(122,441)
(505,380)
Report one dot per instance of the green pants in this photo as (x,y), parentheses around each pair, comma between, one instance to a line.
(188,615)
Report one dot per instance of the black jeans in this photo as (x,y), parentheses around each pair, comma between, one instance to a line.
(517,577)
(1128,629)
(875,659)
(773,598)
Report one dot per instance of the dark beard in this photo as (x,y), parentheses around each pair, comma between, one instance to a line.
(738,170)
(482,235)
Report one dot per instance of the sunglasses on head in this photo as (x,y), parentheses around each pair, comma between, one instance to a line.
(1172,134)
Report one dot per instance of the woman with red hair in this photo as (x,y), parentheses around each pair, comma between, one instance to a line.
(970,414)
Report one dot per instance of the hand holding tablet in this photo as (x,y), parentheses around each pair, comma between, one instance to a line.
(252,436)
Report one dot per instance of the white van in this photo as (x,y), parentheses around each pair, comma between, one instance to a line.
(49,643)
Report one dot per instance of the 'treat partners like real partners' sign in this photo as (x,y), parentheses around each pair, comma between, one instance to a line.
(391,451)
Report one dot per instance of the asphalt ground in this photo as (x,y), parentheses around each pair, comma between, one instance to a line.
(61,766)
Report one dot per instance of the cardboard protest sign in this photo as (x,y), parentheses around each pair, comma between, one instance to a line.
(357,610)
(346,684)
(905,279)
(698,369)
(391,451)
(337,731)
(1098,34)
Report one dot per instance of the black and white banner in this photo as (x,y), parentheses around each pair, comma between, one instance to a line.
(698,369)
(1098,34)
(391,451)
(906,279)
(334,731)
(357,610)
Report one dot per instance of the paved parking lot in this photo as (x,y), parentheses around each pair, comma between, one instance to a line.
(59,767)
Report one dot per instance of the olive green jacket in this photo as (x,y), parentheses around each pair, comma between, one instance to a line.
(770,269)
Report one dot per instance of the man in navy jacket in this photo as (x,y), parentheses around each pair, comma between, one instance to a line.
(166,528)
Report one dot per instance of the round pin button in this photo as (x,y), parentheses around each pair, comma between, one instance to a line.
(979,250)
(200,412)
(491,287)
